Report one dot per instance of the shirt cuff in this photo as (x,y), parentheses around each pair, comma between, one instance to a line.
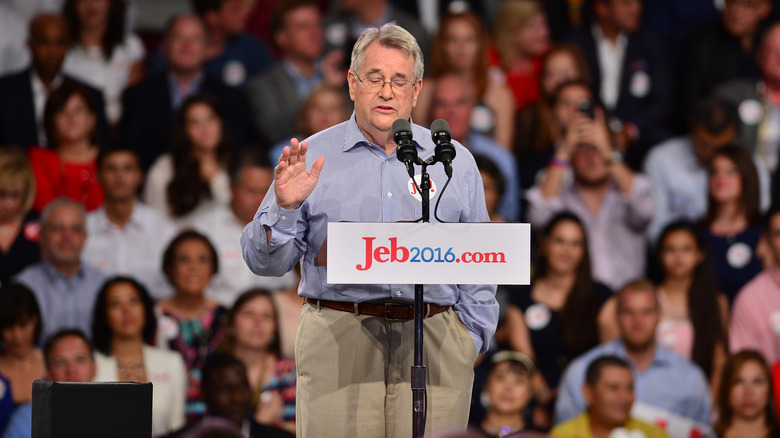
(282,218)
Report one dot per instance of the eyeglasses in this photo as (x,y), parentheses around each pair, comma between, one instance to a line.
(375,83)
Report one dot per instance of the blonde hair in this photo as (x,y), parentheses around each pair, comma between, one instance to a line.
(15,165)
(511,16)
(392,36)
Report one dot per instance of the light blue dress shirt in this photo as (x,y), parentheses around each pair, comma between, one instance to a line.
(361,183)
(20,424)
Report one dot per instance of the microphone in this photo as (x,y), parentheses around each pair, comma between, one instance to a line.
(445,151)
(406,152)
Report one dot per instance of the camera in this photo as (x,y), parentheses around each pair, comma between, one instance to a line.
(586,107)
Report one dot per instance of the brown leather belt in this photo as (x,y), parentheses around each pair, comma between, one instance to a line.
(390,311)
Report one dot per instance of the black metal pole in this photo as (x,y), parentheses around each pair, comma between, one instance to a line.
(418,370)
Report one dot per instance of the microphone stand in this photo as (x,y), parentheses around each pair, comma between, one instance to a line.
(419,396)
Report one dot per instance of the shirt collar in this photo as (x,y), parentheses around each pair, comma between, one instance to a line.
(661,356)
(39,87)
(135,221)
(598,35)
(355,137)
(53,273)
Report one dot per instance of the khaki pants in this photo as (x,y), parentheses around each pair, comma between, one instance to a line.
(354,374)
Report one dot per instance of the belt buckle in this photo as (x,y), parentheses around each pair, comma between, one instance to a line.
(388,305)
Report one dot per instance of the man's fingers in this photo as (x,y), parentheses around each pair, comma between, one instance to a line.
(316,168)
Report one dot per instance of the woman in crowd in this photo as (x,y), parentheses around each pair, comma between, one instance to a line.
(688,282)
(191,177)
(253,338)
(123,324)
(732,224)
(562,313)
(103,54)
(461,47)
(18,229)
(68,166)
(522,37)
(189,322)
(746,401)
(21,362)
(494,185)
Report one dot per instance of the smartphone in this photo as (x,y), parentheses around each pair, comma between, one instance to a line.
(586,107)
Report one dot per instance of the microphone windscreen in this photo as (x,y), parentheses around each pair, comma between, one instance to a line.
(401,125)
(440,125)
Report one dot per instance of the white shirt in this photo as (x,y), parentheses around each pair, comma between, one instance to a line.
(109,76)
(610,65)
(135,250)
(40,94)
(222,228)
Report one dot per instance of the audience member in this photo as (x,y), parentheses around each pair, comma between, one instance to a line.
(250,178)
(18,227)
(609,393)
(189,322)
(13,35)
(755,318)
(25,93)
(63,284)
(69,358)
(732,224)
(631,75)
(68,167)
(522,37)
(118,233)
(662,379)
(679,21)
(746,404)
(494,185)
(454,101)
(614,203)
(193,177)
(21,362)
(123,325)
(694,315)
(104,54)
(276,97)
(149,107)
(253,338)
(460,49)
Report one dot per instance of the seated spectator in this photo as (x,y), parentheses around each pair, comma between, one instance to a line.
(251,176)
(69,358)
(63,284)
(68,166)
(460,49)
(193,176)
(694,315)
(561,314)
(609,394)
(754,318)
(631,74)
(746,404)
(189,322)
(103,55)
(507,392)
(454,101)
(124,324)
(21,362)
(25,93)
(18,228)
(253,338)
(118,232)
(277,96)
(494,184)
(149,107)
(732,224)
(662,379)
(613,202)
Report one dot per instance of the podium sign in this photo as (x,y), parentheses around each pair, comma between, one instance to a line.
(425,253)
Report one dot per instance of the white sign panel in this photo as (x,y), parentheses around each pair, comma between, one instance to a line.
(420,253)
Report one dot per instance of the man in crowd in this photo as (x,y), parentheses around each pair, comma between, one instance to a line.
(609,394)
(347,342)
(63,284)
(662,379)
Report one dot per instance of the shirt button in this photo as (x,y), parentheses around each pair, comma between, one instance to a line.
(276,214)
(284,218)
(398,293)
(271,243)
(389,194)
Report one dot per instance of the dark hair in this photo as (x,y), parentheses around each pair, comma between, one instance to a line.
(62,334)
(749,201)
(217,362)
(713,114)
(280,11)
(169,256)
(773,211)
(575,52)
(228,342)
(201,7)
(709,329)
(729,378)
(187,188)
(488,166)
(115,27)
(580,313)
(56,102)
(17,306)
(101,329)
(593,373)
(116,147)
(574,83)
(245,158)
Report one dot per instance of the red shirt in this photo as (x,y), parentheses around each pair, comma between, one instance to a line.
(55,178)
(525,84)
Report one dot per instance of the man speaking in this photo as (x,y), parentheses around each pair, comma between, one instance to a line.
(354,345)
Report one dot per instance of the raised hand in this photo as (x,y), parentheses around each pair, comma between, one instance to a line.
(292,182)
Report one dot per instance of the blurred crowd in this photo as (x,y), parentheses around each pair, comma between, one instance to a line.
(640,139)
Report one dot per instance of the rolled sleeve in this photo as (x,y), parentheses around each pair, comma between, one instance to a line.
(477,309)
(541,209)
(277,256)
